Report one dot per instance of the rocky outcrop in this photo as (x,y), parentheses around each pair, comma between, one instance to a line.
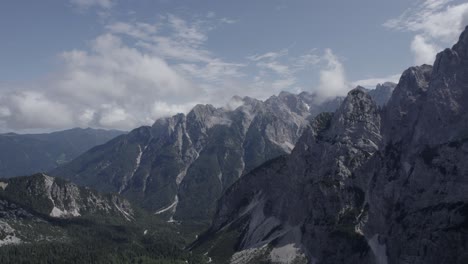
(362,185)
(309,200)
(49,196)
(181,165)
(417,196)
(382,93)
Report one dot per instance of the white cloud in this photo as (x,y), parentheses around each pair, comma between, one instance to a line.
(307,60)
(142,31)
(272,55)
(436,23)
(4,111)
(282,84)
(135,72)
(161,108)
(130,75)
(190,33)
(332,78)
(424,52)
(279,70)
(228,20)
(115,116)
(28,109)
(115,84)
(106,4)
(372,82)
(214,71)
(275,66)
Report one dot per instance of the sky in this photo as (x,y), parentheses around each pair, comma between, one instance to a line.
(120,64)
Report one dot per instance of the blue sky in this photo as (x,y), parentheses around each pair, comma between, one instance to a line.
(121,64)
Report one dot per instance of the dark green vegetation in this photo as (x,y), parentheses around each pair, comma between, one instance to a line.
(91,240)
(102,233)
(30,153)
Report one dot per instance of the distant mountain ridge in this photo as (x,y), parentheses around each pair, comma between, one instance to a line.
(24,154)
(42,197)
(181,165)
(364,184)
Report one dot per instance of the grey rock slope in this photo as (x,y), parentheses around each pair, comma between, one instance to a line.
(181,165)
(419,197)
(303,205)
(24,154)
(44,209)
(362,185)
(382,92)
(58,198)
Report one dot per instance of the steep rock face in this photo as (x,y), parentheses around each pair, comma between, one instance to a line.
(335,193)
(418,194)
(309,201)
(402,111)
(109,165)
(362,185)
(182,164)
(57,198)
(382,93)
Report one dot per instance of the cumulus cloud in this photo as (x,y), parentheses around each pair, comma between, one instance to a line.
(28,109)
(332,78)
(436,23)
(135,72)
(118,84)
(424,51)
(132,74)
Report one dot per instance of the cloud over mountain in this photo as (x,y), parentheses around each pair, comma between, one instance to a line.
(135,72)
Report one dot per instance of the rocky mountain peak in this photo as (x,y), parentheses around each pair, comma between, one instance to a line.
(58,198)
(202,110)
(382,92)
(461,47)
(357,117)
(444,108)
(386,85)
(449,60)
(344,195)
(401,111)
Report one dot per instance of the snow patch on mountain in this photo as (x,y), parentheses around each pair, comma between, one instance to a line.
(56,212)
(286,254)
(172,206)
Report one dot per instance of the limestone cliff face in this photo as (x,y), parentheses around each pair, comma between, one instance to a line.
(417,196)
(310,200)
(362,185)
(57,198)
(40,209)
(181,165)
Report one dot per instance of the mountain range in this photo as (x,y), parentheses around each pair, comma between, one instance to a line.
(181,165)
(24,154)
(363,184)
(376,177)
